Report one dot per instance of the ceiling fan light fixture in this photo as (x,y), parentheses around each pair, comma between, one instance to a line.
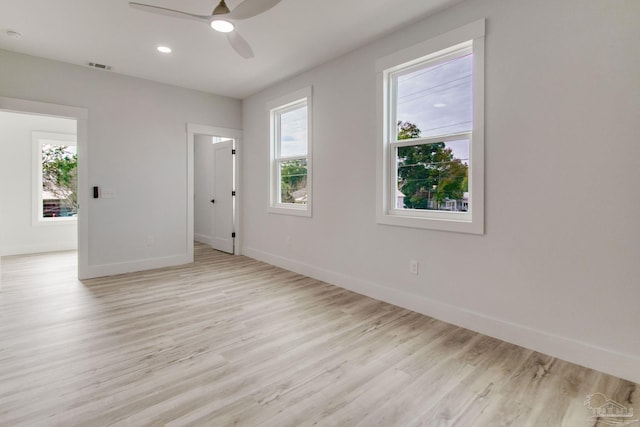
(221,9)
(222,26)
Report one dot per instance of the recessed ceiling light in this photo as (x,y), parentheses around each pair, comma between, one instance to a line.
(164,49)
(439,105)
(222,26)
(14,34)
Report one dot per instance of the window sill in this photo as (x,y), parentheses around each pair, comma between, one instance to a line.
(72,220)
(461,225)
(291,209)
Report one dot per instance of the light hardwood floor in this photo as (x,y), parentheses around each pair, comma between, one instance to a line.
(232,341)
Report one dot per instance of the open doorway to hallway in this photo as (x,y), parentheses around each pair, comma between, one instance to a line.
(213,187)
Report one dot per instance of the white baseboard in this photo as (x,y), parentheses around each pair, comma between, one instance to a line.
(207,240)
(130,267)
(38,248)
(575,351)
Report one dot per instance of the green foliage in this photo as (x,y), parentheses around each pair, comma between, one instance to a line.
(293,181)
(60,174)
(407,130)
(428,174)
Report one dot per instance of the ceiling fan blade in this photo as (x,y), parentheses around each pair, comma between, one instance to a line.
(240,45)
(249,8)
(168,12)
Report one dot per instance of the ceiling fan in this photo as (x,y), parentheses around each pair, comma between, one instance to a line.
(221,19)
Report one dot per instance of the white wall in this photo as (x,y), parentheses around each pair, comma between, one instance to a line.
(557,269)
(203,188)
(137,148)
(18,235)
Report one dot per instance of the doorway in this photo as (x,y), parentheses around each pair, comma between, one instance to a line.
(214,192)
(72,131)
(213,184)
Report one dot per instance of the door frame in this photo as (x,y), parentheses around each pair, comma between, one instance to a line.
(81,116)
(194,129)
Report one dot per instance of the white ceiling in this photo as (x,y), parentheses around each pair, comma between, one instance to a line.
(292,37)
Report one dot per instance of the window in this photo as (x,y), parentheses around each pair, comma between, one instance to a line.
(55,169)
(291,154)
(431,155)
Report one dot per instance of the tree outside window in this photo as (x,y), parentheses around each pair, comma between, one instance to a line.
(59,165)
(429,175)
(54,178)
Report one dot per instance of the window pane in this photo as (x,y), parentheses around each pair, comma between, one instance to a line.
(433,176)
(437,100)
(293,181)
(59,181)
(293,133)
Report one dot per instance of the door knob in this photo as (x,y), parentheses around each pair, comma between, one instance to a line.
(213,200)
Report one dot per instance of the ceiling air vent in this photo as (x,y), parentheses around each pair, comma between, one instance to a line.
(99,66)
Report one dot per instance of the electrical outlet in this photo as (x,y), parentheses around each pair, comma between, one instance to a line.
(413,267)
(150,240)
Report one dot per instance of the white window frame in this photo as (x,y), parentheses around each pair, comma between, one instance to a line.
(38,139)
(469,38)
(277,107)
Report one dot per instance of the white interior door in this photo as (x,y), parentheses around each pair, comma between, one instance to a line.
(223,199)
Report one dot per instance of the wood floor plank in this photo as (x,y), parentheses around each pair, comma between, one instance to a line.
(229,340)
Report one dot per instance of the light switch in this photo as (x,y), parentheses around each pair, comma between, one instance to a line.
(108,194)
